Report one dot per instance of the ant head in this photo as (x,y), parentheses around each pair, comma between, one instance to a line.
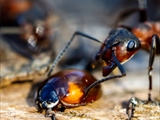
(123,43)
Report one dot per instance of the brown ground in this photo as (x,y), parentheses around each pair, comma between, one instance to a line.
(17,102)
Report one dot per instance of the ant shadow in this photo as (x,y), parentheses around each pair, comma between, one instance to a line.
(30,98)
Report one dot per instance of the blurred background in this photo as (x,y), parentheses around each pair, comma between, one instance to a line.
(32,33)
(39,29)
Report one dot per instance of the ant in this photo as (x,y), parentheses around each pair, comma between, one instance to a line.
(118,48)
(37,36)
(73,87)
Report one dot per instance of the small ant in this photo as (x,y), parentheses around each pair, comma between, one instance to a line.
(37,36)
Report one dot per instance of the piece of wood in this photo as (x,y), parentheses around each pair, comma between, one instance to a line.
(146,112)
(17,102)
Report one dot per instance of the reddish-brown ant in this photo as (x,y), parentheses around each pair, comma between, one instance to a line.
(119,46)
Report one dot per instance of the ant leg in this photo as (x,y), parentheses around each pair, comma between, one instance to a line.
(50,113)
(108,78)
(143,11)
(96,57)
(112,65)
(150,65)
(67,45)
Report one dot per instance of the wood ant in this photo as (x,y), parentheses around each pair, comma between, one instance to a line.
(117,49)
(72,87)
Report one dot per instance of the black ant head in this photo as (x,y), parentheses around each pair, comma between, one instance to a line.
(123,43)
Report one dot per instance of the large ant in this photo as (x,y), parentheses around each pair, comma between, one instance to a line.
(55,93)
(117,48)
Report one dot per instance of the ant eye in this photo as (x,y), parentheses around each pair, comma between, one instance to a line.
(130,45)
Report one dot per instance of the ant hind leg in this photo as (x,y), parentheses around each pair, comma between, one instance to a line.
(151,60)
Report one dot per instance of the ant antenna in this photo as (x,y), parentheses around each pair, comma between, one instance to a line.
(150,65)
(142,4)
(67,45)
(108,78)
(143,10)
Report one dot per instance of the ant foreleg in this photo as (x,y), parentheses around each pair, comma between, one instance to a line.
(112,65)
(108,78)
(151,60)
(67,45)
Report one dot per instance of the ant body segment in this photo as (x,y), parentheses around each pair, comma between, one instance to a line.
(145,29)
